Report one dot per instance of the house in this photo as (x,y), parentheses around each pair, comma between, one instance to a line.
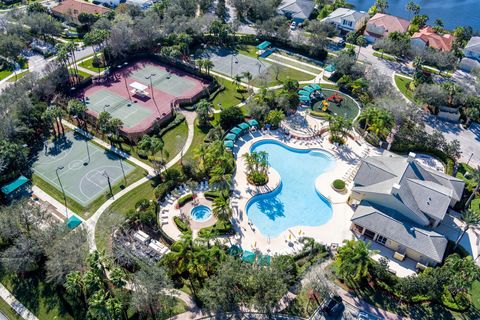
(297,10)
(142,4)
(347,20)
(400,203)
(471,52)
(427,37)
(108,3)
(381,25)
(70,10)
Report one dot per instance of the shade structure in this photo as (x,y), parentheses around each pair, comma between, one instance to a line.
(316,86)
(234,250)
(253,123)
(73,222)
(14,185)
(264,45)
(244,126)
(228,143)
(330,68)
(231,136)
(138,86)
(248,256)
(304,98)
(308,89)
(236,131)
(264,260)
(303,92)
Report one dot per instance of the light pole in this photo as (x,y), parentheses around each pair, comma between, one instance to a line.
(61,186)
(470,158)
(88,152)
(105,174)
(151,90)
(123,171)
(105,106)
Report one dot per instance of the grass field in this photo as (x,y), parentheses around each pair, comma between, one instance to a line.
(88,64)
(80,73)
(402,84)
(19,76)
(5,73)
(348,108)
(297,63)
(228,97)
(384,56)
(174,140)
(277,74)
(8,311)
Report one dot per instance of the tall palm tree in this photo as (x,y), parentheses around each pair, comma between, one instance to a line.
(476,178)
(237,79)
(221,207)
(361,42)
(221,177)
(354,260)
(382,5)
(208,65)
(75,286)
(471,219)
(49,116)
(413,8)
(77,109)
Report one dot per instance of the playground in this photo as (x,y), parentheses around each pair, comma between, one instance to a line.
(332,102)
(81,168)
(140,94)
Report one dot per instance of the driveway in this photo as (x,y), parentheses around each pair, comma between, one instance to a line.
(469,138)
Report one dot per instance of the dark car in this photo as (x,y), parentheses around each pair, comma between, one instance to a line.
(333,307)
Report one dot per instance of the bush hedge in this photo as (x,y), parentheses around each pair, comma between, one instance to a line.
(162,189)
(183,200)
(339,184)
(218,229)
(320,114)
(179,118)
(142,204)
(211,195)
(183,226)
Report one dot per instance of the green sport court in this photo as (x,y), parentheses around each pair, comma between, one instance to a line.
(130,113)
(83,180)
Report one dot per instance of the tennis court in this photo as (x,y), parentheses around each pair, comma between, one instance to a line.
(229,62)
(131,113)
(175,84)
(83,177)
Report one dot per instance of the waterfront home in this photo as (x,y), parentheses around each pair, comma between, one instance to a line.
(400,204)
(427,37)
(347,20)
(381,25)
(70,10)
(297,10)
(471,52)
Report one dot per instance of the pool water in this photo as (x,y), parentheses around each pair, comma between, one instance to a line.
(201,213)
(296,202)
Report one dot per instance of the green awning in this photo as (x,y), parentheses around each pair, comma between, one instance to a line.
(236,131)
(244,126)
(304,98)
(303,92)
(308,89)
(316,86)
(248,256)
(231,136)
(234,250)
(14,185)
(253,123)
(73,222)
(228,143)
(264,260)
(330,68)
(264,45)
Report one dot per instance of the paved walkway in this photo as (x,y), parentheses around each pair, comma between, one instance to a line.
(15,304)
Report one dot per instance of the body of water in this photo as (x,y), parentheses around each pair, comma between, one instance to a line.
(296,202)
(453,13)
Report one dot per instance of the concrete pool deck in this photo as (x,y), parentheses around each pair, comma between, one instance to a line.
(335,230)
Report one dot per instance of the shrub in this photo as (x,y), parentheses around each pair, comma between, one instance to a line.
(211,195)
(147,217)
(218,229)
(142,154)
(162,189)
(97,62)
(185,199)
(179,118)
(142,204)
(258,178)
(320,114)
(339,184)
(183,226)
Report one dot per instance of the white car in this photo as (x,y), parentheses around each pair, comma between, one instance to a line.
(293,25)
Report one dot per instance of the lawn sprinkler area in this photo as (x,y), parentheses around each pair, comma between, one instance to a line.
(337,103)
(80,167)
(140,94)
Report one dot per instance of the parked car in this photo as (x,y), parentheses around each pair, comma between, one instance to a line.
(333,307)
(293,25)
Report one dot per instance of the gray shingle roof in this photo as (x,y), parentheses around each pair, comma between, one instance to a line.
(473,44)
(344,13)
(388,223)
(301,9)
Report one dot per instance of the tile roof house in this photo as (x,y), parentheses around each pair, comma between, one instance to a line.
(401,202)
(427,37)
(347,19)
(298,10)
(472,55)
(381,25)
(71,9)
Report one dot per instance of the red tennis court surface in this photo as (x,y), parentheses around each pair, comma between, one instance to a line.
(167,87)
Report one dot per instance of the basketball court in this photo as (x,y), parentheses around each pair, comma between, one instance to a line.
(83,167)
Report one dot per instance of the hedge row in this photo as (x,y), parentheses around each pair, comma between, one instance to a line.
(179,118)
(220,228)
(211,195)
(181,225)
(185,199)
(163,189)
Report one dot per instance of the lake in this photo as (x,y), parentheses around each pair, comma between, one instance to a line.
(453,13)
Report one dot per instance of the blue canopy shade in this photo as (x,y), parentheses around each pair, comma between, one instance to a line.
(14,185)
(73,222)
(264,260)
(304,98)
(316,86)
(330,68)
(236,131)
(231,136)
(263,45)
(234,250)
(228,143)
(253,123)
(308,89)
(244,126)
(248,256)
(303,92)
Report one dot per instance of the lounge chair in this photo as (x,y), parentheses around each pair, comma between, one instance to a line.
(206,185)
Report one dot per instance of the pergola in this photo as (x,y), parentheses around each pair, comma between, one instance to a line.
(139,89)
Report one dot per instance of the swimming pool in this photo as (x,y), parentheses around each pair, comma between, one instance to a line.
(201,213)
(296,202)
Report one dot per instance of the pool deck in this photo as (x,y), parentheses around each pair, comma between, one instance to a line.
(335,230)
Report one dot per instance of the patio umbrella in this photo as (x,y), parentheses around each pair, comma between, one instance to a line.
(243,126)
(231,136)
(248,256)
(73,222)
(253,123)
(234,250)
(228,143)
(236,130)
(264,260)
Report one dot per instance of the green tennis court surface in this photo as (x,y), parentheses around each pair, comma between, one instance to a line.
(163,80)
(83,183)
(130,113)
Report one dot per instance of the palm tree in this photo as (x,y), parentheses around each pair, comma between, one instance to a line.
(220,176)
(382,5)
(221,207)
(413,8)
(199,63)
(354,260)
(75,286)
(247,75)
(77,109)
(339,127)
(49,116)
(103,121)
(207,64)
(471,219)
(361,42)
(63,56)
(475,177)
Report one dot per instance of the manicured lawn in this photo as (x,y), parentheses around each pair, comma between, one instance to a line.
(403,84)
(198,138)
(384,56)
(444,74)
(88,64)
(277,74)
(85,212)
(19,76)
(8,311)
(296,63)
(80,73)
(174,140)
(5,73)
(228,97)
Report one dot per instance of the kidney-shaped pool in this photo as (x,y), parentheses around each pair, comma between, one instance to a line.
(296,202)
